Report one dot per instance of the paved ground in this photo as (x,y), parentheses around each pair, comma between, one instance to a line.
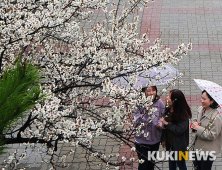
(181,21)
(178,21)
(198,21)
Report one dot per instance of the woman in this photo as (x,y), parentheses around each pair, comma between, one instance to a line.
(150,139)
(208,131)
(175,136)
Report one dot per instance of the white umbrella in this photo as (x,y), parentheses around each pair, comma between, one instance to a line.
(213,89)
(154,76)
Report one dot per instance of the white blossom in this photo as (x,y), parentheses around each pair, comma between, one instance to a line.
(141,161)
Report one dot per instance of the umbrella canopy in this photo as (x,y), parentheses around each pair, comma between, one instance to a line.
(152,77)
(213,89)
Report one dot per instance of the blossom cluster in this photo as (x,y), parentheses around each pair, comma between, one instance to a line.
(80,66)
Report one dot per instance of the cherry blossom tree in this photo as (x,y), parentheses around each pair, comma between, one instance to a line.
(80,64)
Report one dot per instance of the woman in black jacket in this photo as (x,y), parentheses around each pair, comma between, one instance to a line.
(175,136)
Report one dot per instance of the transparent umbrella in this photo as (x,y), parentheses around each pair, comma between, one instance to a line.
(154,76)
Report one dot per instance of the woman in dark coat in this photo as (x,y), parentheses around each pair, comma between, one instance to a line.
(175,136)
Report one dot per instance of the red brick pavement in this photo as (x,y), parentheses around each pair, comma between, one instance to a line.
(192,10)
(151,20)
(151,23)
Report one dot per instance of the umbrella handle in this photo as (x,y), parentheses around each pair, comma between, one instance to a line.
(192,124)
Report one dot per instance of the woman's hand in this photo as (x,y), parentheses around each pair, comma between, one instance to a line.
(163,144)
(195,125)
(164,121)
(159,126)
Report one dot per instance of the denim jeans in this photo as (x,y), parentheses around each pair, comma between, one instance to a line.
(142,152)
(174,164)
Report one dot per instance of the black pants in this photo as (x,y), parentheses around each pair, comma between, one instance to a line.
(203,164)
(142,151)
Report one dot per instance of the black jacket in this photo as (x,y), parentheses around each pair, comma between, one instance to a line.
(180,135)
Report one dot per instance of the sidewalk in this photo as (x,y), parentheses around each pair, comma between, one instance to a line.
(184,21)
(177,21)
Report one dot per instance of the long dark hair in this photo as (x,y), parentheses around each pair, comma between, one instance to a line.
(181,110)
(214,105)
(156,96)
